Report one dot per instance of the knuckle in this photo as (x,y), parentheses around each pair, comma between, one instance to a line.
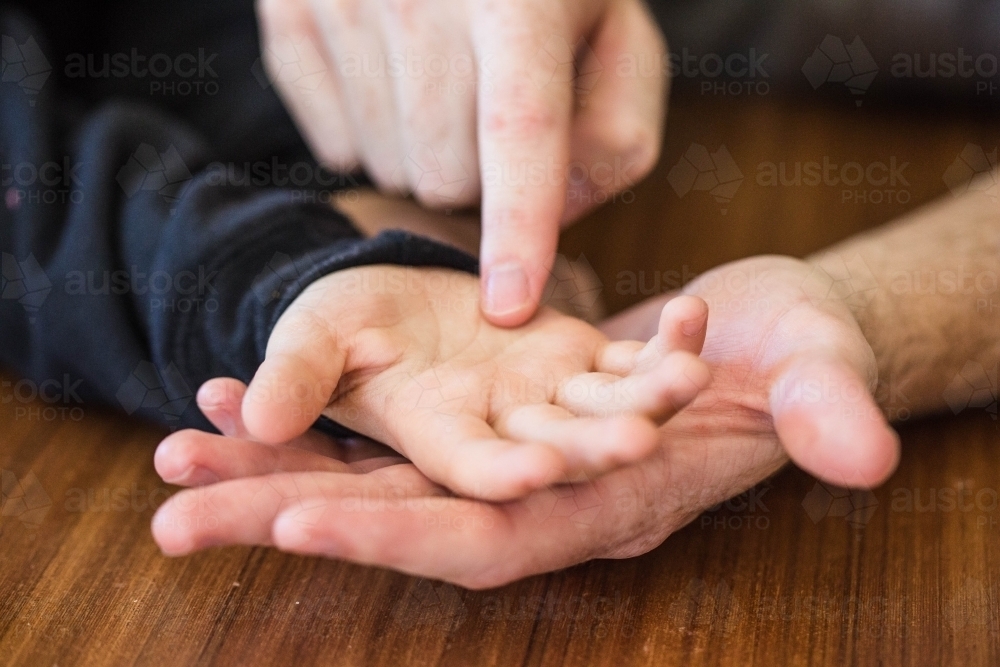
(437,197)
(634,141)
(337,160)
(521,118)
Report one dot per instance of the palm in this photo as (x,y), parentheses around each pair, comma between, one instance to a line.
(404,356)
(783,337)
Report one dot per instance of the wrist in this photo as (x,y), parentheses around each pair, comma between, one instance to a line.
(373,213)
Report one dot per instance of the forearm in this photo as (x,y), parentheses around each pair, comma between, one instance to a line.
(145,270)
(925,292)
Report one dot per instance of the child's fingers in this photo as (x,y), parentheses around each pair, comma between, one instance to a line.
(463,453)
(221,401)
(682,327)
(618,357)
(296,382)
(657,394)
(194,458)
(590,445)
(683,323)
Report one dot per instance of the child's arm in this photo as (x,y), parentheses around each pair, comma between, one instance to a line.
(131,274)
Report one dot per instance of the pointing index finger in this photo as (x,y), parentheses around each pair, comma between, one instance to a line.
(526,105)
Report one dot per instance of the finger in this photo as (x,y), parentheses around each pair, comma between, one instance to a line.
(437,107)
(590,446)
(296,381)
(524,120)
(473,544)
(682,327)
(618,357)
(618,128)
(463,453)
(195,458)
(683,324)
(221,401)
(656,395)
(830,425)
(293,53)
(243,511)
(360,55)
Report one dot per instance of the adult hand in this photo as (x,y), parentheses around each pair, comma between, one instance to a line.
(776,333)
(789,364)
(537,109)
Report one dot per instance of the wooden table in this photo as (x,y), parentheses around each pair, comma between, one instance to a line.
(786,575)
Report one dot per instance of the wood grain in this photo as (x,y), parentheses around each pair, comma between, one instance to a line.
(778,576)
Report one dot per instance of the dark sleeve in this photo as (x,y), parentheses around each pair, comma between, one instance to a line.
(133,269)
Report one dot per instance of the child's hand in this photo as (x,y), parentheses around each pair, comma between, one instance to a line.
(404,356)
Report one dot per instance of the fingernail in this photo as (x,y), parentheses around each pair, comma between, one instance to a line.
(694,327)
(506,289)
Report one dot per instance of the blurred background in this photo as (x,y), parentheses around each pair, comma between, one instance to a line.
(930,33)
(791,126)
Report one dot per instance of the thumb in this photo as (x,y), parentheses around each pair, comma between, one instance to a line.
(296,382)
(828,422)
